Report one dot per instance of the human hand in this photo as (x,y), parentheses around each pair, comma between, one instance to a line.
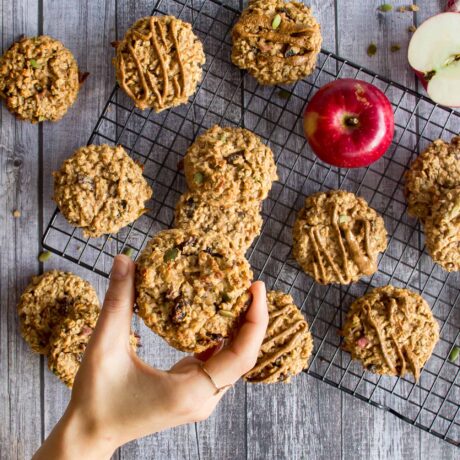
(117,397)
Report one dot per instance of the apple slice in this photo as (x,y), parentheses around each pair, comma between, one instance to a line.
(434,54)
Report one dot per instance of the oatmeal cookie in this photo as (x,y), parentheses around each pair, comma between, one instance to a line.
(101,189)
(232,164)
(241,224)
(433,172)
(38,79)
(442,231)
(69,339)
(46,300)
(276,42)
(287,345)
(192,288)
(338,237)
(158,63)
(391,331)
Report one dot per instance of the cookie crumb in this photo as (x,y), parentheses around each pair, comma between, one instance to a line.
(16,214)
(402,9)
(412,29)
(394,48)
(414,8)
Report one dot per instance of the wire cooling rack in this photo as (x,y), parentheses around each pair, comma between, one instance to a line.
(229,97)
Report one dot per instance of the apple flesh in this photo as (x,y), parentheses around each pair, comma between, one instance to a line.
(434,54)
(349,123)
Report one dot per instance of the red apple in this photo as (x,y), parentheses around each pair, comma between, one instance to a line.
(434,54)
(349,123)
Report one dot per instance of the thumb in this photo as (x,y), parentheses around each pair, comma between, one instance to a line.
(114,323)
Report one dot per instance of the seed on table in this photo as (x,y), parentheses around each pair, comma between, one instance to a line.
(455,352)
(44,256)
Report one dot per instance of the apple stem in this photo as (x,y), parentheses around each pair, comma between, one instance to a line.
(351,121)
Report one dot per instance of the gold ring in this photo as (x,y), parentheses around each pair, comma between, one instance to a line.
(218,389)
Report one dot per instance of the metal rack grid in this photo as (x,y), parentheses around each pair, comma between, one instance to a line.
(230,97)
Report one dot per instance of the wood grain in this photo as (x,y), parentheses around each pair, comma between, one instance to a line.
(305,419)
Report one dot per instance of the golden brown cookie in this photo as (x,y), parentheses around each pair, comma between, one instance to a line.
(38,79)
(192,288)
(433,172)
(69,339)
(46,300)
(276,41)
(230,165)
(287,345)
(240,224)
(159,61)
(391,331)
(442,230)
(338,237)
(101,189)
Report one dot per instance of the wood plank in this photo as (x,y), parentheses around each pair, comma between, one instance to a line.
(20,402)
(87,31)
(299,419)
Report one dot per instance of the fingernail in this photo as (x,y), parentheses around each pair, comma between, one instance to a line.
(120,267)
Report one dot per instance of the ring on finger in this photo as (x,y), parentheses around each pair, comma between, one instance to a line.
(211,379)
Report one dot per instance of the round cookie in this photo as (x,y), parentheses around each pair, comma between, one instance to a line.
(240,224)
(442,231)
(46,300)
(158,63)
(276,42)
(232,164)
(391,331)
(38,79)
(337,237)
(69,339)
(192,288)
(287,345)
(101,189)
(433,172)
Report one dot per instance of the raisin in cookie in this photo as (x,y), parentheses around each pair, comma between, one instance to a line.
(391,331)
(287,345)
(338,237)
(100,189)
(442,230)
(232,164)
(38,79)
(433,172)
(192,288)
(69,339)
(158,63)
(46,300)
(241,224)
(276,42)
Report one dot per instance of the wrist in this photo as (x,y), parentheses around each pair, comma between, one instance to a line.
(76,437)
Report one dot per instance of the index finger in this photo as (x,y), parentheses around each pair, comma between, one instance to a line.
(227,366)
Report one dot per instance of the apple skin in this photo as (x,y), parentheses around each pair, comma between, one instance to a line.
(349,123)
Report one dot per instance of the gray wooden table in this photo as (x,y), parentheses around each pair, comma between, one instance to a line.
(306,419)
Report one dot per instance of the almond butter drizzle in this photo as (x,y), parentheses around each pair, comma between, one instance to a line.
(148,86)
(293,333)
(402,351)
(287,33)
(349,247)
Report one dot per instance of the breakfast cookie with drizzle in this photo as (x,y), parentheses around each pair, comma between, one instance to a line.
(101,189)
(39,79)
(276,42)
(338,237)
(159,62)
(230,164)
(239,223)
(287,345)
(48,299)
(192,288)
(442,230)
(391,331)
(69,339)
(433,173)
